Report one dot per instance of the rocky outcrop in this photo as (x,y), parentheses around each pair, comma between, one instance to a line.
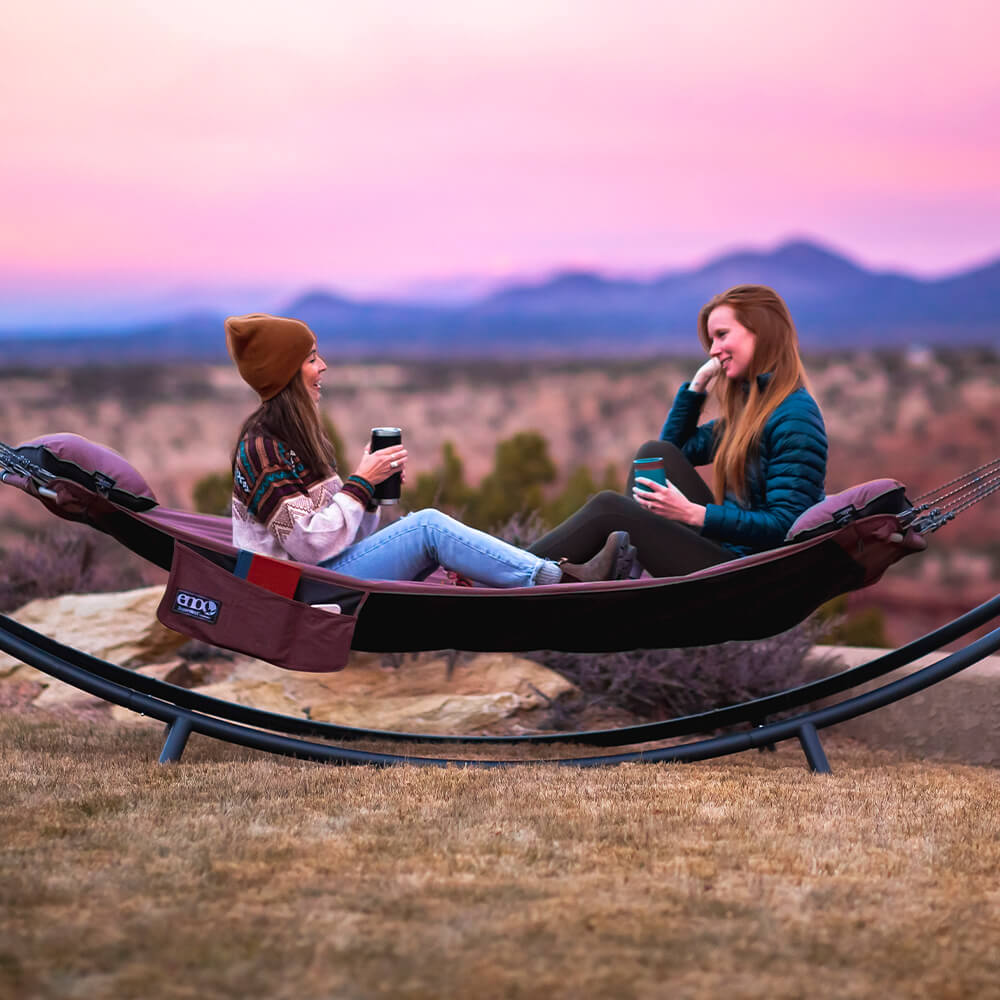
(418,696)
(120,627)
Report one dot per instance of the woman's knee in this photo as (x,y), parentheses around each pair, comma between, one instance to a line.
(430,517)
(657,449)
(607,502)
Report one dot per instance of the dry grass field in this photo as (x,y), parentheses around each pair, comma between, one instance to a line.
(232,874)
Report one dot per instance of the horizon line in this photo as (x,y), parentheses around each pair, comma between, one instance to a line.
(149,304)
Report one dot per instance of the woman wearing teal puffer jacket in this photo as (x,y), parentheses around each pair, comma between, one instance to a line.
(769,448)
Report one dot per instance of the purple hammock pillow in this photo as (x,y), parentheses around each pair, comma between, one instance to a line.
(877,496)
(93,466)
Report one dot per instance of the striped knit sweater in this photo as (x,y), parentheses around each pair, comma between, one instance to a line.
(282,511)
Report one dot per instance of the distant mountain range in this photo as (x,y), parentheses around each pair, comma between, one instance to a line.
(835,302)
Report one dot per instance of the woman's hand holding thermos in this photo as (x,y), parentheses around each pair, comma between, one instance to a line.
(378,466)
(385,456)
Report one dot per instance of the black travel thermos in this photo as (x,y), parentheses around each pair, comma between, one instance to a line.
(389,489)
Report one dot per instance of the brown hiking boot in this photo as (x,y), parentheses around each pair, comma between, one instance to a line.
(613,562)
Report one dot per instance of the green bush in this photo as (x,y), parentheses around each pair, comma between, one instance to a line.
(521,467)
(579,489)
(862,628)
(444,487)
(213,493)
(514,491)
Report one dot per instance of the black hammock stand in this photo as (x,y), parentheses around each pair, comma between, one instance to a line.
(185,712)
(851,551)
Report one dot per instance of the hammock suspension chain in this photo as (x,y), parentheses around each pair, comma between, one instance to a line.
(938,496)
(969,489)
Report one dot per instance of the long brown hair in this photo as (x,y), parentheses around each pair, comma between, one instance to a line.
(292,418)
(746,407)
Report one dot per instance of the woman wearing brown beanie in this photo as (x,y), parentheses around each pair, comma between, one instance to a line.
(290,503)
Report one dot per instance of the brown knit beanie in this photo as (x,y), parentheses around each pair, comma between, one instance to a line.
(268,350)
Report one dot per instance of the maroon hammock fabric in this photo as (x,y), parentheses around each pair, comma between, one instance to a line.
(746,598)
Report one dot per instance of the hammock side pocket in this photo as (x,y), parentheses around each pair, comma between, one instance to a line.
(206,602)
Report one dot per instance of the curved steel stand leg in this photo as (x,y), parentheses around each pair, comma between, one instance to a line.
(764,747)
(177,736)
(813,749)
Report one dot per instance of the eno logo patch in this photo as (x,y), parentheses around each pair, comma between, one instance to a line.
(203,608)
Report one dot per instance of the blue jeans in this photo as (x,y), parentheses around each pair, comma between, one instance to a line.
(417,544)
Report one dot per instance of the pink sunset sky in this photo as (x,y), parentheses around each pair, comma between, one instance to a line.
(152,147)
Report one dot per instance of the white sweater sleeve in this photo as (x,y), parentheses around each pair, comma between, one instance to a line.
(314,528)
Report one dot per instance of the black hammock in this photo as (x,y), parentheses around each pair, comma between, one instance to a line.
(306,618)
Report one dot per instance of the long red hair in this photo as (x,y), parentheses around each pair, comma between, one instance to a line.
(746,406)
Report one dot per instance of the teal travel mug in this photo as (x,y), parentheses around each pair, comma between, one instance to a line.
(650,468)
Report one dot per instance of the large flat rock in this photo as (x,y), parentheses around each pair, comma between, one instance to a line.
(120,627)
(420,695)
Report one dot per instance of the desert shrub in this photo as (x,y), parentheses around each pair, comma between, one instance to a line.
(521,467)
(662,683)
(213,493)
(512,495)
(863,628)
(521,529)
(860,628)
(66,559)
(579,489)
(444,487)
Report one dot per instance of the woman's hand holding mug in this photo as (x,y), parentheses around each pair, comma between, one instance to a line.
(667,501)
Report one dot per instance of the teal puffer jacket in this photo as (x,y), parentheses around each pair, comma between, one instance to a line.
(784,478)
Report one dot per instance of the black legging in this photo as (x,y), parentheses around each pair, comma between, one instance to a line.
(666,548)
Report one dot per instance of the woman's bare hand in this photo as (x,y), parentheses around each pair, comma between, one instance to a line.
(706,375)
(667,501)
(18,482)
(378,466)
(68,497)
